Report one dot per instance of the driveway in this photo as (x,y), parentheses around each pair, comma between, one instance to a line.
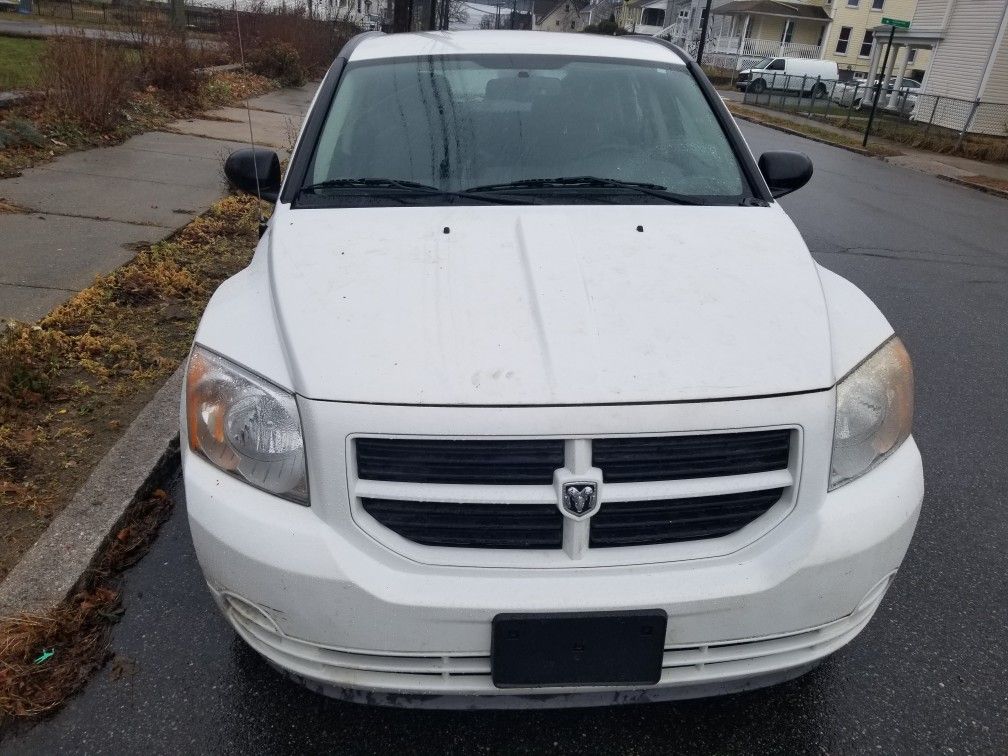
(927,675)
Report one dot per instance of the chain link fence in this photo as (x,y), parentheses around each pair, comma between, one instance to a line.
(199,19)
(906,115)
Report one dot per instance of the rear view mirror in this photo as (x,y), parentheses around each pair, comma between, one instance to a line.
(243,166)
(785,171)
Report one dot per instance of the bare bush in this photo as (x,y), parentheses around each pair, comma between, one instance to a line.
(167,60)
(86,80)
(267,30)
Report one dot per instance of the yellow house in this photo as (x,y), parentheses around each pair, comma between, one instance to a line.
(850,36)
(755,29)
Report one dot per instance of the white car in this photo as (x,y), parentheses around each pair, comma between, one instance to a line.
(533,395)
(861,95)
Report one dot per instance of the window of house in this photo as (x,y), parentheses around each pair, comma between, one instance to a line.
(866,44)
(557,22)
(567,8)
(788,31)
(877,4)
(912,55)
(843,40)
(852,3)
(653,17)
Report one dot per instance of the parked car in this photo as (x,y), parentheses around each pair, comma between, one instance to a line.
(861,94)
(802,75)
(532,395)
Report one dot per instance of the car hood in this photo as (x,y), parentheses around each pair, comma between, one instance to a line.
(527,305)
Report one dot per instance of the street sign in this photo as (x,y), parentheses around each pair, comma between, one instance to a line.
(897,22)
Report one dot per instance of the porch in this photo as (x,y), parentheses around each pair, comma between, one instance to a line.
(751,30)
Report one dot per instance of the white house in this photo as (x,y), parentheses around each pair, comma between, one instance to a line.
(969,62)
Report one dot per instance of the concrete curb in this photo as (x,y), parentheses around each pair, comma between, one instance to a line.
(993,191)
(51,569)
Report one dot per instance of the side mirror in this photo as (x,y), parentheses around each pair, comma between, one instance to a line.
(785,171)
(242,167)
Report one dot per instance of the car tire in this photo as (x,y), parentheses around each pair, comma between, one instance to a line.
(758,86)
(818,91)
(858,103)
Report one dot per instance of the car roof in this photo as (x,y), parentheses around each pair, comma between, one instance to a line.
(479,42)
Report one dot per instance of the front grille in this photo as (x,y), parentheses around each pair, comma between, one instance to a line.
(649,458)
(448,461)
(482,526)
(499,494)
(639,523)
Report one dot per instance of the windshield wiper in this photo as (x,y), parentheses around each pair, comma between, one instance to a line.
(407,187)
(590,182)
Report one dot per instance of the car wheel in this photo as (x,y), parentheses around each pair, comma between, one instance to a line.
(758,86)
(819,90)
(858,103)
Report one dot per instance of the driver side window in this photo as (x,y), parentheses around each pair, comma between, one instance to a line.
(777,65)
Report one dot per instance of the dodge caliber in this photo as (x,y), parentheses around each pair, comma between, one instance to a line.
(532,394)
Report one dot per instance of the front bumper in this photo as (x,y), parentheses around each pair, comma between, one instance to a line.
(341,612)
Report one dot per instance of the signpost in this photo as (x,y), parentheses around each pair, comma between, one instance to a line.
(893,24)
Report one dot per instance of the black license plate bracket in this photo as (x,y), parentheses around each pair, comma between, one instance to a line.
(578,648)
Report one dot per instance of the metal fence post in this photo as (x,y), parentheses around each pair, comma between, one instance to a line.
(937,99)
(801,93)
(812,97)
(969,120)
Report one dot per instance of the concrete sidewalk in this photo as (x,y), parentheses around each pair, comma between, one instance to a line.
(85,212)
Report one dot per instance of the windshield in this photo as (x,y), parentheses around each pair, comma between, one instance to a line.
(426,127)
(764,63)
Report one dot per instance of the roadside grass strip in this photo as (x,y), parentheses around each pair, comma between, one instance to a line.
(71,383)
(47,657)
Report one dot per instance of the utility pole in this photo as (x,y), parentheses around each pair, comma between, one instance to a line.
(178,14)
(400,15)
(703,33)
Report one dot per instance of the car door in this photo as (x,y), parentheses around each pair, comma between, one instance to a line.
(775,76)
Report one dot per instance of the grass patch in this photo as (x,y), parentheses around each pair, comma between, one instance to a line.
(809,130)
(19,62)
(70,383)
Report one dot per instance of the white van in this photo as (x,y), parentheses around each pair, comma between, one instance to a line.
(789,74)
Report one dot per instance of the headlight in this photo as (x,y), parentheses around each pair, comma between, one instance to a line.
(245,426)
(873,413)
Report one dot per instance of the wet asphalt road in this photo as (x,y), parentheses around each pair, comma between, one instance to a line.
(927,675)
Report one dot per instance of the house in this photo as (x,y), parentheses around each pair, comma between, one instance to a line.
(755,29)
(644,16)
(564,16)
(850,37)
(366,14)
(966,82)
